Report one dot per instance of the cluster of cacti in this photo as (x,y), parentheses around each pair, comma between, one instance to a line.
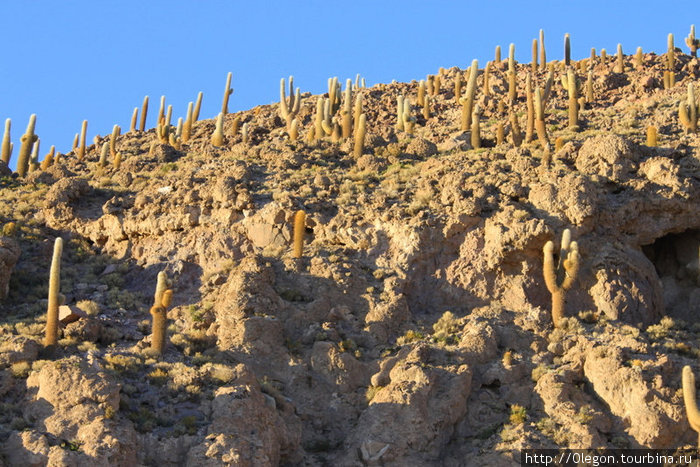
(289,108)
(689,110)
(404,119)
(51,335)
(561,277)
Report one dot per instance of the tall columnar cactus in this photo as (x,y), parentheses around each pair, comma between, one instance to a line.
(360,131)
(468,100)
(346,112)
(197,107)
(497,55)
(144,113)
(83,135)
(691,405)
(561,277)
(103,155)
(187,127)
(589,87)
(572,89)
(399,112)
(487,73)
(540,126)
(34,158)
(409,121)
(162,300)
(51,336)
(639,59)
(333,95)
(161,110)
(671,54)
(689,110)
(28,139)
(217,138)
(299,228)
(543,54)
(357,110)
(289,107)
(6,150)
(227,93)
(567,50)
(420,98)
(533,65)
(515,133)
(116,131)
(692,42)
(476,129)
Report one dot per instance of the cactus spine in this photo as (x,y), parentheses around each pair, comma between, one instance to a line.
(6,150)
(51,336)
(692,42)
(691,405)
(25,150)
(299,228)
(144,112)
(559,279)
(227,92)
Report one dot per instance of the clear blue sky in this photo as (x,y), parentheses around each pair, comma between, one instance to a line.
(71,60)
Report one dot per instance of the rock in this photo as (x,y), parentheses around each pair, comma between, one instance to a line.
(609,156)
(18,349)
(339,369)
(69,314)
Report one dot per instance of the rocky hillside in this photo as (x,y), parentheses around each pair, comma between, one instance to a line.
(416,328)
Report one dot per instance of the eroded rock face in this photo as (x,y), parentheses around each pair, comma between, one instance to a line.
(9,254)
(609,156)
(72,400)
(245,429)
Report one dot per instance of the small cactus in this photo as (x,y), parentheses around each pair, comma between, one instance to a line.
(217,138)
(51,336)
(559,279)
(476,129)
(620,60)
(652,136)
(299,229)
(134,119)
(48,159)
(163,299)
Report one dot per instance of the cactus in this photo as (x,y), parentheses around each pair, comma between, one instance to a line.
(426,107)
(543,54)
(48,159)
(487,73)
(515,133)
(591,63)
(692,42)
(558,143)
(163,299)
(289,109)
(358,109)
(217,138)
(639,59)
(671,54)
(144,113)
(689,399)
(51,336)
(511,58)
(572,89)
(497,55)
(468,100)
(530,126)
(688,111)
(187,127)
(360,132)
(169,115)
(346,112)
(533,65)
(603,57)
(333,95)
(567,50)
(669,79)
(25,150)
(500,133)
(299,228)
(197,107)
(539,120)
(476,130)
(34,158)
(559,279)
(245,133)
(652,136)
(83,135)
(409,121)
(103,155)
(161,110)
(116,131)
(6,150)
(620,60)
(134,119)
(420,99)
(589,87)
(227,92)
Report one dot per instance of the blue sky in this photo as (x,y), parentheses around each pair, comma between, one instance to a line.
(71,60)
